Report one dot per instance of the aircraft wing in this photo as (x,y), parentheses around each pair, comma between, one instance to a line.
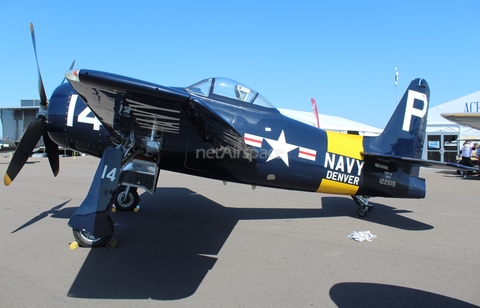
(124,105)
(407,161)
(470,119)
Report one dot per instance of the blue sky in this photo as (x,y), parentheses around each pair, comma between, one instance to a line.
(342,53)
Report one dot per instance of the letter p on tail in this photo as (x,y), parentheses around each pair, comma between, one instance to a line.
(413,110)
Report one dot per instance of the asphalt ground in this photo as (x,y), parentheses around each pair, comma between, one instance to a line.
(200,243)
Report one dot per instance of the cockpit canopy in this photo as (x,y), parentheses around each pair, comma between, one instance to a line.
(216,88)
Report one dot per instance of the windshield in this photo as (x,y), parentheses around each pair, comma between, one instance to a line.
(216,88)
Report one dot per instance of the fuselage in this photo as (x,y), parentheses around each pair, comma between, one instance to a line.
(284,153)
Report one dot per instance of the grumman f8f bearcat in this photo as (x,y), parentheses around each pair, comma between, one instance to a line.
(219,129)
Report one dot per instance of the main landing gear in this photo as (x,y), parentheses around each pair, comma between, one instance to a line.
(120,172)
(91,222)
(86,239)
(363,206)
(126,198)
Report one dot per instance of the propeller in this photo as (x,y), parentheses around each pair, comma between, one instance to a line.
(36,129)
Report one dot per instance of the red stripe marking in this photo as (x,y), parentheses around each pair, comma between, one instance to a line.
(254,140)
(308,154)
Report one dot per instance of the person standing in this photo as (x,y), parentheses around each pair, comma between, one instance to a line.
(466,158)
(478,158)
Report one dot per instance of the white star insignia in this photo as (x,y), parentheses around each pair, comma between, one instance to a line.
(280,148)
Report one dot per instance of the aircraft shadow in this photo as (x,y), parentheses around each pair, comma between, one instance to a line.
(55,211)
(360,294)
(27,163)
(454,174)
(167,249)
(380,214)
(449,173)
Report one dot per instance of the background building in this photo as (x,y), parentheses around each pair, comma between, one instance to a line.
(15,120)
(441,133)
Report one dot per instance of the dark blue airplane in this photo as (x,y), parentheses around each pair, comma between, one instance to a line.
(220,129)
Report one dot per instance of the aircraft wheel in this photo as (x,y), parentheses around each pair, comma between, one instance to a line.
(86,239)
(125,202)
(361,212)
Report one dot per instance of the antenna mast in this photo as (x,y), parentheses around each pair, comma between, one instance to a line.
(396,84)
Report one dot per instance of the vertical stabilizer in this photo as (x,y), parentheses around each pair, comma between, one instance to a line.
(404,134)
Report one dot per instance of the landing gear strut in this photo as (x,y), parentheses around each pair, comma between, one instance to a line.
(363,206)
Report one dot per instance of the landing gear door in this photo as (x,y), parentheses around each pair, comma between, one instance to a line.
(141,174)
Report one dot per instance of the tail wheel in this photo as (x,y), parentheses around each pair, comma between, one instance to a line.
(86,239)
(126,199)
(361,212)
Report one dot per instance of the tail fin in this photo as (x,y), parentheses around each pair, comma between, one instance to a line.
(404,134)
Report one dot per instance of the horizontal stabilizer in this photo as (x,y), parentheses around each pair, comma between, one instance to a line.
(416,162)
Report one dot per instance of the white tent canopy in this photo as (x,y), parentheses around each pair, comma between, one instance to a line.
(436,123)
(332,123)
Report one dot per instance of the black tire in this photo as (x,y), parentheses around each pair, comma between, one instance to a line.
(362,212)
(130,202)
(85,239)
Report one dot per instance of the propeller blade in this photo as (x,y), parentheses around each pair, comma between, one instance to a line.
(52,153)
(41,88)
(25,148)
(71,66)
(34,131)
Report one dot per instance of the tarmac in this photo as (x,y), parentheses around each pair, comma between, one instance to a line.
(200,243)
